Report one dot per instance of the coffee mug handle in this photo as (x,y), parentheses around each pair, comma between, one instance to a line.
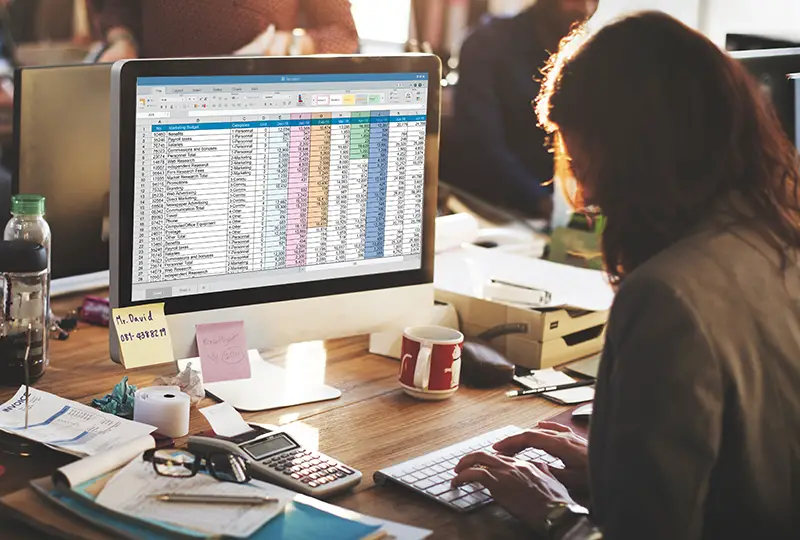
(422,369)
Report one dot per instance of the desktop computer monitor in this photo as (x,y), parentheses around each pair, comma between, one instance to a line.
(295,194)
(771,69)
(62,152)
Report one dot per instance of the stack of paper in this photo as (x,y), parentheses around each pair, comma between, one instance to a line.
(131,492)
(66,425)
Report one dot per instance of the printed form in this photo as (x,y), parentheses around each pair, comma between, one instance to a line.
(67,426)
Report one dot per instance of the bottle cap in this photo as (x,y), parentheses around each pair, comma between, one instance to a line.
(21,256)
(27,205)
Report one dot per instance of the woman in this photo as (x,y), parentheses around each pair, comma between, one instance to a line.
(696,425)
(179,28)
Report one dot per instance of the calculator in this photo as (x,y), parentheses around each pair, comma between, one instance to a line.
(276,457)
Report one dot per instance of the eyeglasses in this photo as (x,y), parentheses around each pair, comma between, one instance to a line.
(175,463)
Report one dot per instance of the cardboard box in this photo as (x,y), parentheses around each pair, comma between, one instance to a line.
(553,336)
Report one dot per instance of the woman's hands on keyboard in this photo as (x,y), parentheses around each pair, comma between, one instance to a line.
(523,488)
(558,441)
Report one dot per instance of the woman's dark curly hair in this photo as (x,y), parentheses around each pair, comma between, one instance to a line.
(666,126)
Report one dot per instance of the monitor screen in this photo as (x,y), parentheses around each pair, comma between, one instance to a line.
(252,181)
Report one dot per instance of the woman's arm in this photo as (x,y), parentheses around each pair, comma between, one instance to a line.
(331,26)
(657,423)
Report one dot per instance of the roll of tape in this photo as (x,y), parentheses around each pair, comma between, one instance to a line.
(165,407)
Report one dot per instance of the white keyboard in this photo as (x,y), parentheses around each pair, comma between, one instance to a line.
(431,474)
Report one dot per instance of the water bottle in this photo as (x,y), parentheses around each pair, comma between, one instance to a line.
(27,223)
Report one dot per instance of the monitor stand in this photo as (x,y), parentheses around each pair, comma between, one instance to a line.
(269,387)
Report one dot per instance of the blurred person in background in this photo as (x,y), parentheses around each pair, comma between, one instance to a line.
(181,28)
(498,152)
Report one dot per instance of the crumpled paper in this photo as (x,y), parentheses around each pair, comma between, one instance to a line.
(120,401)
(188,381)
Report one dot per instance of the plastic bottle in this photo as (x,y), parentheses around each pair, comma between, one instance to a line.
(27,223)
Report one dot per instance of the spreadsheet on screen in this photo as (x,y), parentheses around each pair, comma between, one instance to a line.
(253,181)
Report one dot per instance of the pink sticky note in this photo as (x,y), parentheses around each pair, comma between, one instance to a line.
(223,351)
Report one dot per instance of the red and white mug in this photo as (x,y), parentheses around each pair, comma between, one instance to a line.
(430,362)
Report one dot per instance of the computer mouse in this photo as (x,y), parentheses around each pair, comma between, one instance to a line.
(584,412)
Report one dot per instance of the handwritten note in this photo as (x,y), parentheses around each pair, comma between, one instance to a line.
(143,335)
(223,351)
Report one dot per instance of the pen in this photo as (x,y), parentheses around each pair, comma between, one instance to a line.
(27,371)
(553,388)
(214,499)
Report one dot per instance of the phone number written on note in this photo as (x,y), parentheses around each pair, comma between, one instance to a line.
(141,335)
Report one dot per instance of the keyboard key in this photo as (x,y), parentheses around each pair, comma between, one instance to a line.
(452,494)
(408,479)
(423,484)
(438,469)
(312,484)
(469,488)
(419,475)
(438,489)
(345,470)
(448,475)
(482,497)
(472,498)
(462,503)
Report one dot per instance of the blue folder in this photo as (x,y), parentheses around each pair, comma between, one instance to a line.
(299,521)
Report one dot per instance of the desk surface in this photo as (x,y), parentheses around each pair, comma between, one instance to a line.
(373,425)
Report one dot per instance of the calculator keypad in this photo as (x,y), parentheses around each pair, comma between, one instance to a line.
(308,467)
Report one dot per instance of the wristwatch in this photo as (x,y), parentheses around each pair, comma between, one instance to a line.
(562,516)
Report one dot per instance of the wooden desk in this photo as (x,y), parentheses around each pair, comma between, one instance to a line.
(373,425)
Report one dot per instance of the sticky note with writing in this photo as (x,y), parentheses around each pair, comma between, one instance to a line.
(223,351)
(143,335)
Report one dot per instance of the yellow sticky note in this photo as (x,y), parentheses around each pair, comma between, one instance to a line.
(143,335)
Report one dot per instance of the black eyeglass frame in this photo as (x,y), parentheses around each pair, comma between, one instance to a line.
(201,462)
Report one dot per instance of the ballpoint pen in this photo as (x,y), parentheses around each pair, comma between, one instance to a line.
(214,499)
(27,374)
(552,388)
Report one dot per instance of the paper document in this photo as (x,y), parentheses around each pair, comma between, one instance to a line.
(225,420)
(541,378)
(66,425)
(91,467)
(467,272)
(130,492)
(571,396)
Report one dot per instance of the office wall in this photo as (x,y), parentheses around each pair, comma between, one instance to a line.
(715,18)
(770,18)
(687,11)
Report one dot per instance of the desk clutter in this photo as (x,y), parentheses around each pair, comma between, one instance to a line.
(254,483)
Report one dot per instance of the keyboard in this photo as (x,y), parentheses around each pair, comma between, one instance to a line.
(430,475)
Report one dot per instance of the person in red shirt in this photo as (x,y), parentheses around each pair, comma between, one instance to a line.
(181,28)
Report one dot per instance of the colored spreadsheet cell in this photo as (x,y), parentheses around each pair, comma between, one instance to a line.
(246,194)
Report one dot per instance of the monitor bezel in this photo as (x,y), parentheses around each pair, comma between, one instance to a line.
(124,99)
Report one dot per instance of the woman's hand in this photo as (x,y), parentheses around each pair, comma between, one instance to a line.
(561,442)
(524,489)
